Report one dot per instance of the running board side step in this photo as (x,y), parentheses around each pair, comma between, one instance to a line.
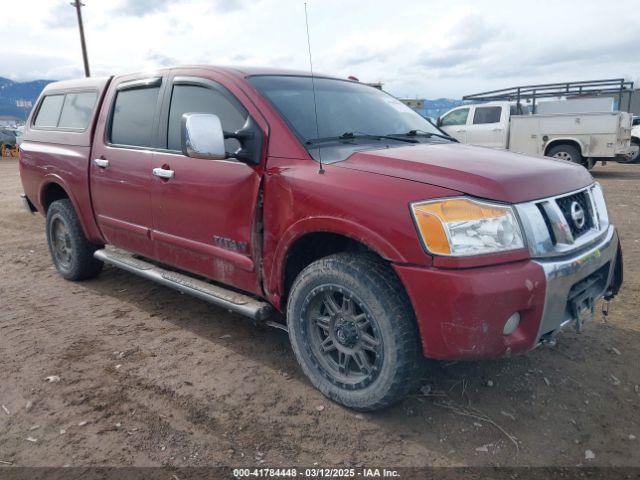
(228,299)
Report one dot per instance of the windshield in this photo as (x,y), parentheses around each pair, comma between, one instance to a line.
(343,107)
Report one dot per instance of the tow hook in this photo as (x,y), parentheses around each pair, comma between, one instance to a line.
(549,340)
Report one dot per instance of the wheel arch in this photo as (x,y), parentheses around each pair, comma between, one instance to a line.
(565,141)
(311,239)
(54,188)
(50,192)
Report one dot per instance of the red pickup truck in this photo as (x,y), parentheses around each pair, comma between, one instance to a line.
(377,237)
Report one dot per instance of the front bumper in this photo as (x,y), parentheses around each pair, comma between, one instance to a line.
(590,273)
(461,312)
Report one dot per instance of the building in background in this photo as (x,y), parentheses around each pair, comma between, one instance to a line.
(431,108)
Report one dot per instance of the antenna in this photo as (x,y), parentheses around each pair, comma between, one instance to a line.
(313,88)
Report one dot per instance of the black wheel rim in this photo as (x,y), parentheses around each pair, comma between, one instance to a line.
(61,243)
(343,337)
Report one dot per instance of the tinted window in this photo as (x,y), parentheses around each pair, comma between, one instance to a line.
(342,106)
(521,110)
(486,115)
(457,117)
(77,110)
(195,99)
(49,112)
(133,114)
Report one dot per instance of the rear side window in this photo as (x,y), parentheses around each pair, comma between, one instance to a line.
(77,110)
(49,112)
(486,115)
(196,99)
(133,114)
(70,111)
(457,117)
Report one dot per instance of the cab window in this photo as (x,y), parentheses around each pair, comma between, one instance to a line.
(486,115)
(133,115)
(457,117)
(201,99)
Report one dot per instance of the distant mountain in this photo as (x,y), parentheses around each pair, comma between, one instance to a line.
(435,108)
(17,98)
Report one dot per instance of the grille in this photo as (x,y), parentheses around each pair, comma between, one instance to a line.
(583,200)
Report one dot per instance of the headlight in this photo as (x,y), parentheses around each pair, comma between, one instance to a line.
(462,227)
(602,216)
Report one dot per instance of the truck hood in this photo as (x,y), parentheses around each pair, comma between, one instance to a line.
(477,171)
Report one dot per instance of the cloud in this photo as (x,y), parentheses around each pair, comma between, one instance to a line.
(161,60)
(429,49)
(62,15)
(140,8)
(227,6)
(35,66)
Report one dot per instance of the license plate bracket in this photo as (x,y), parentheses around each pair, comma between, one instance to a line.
(583,310)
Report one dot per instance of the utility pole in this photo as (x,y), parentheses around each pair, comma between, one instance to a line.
(85,58)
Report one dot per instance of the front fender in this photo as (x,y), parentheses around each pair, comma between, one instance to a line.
(335,225)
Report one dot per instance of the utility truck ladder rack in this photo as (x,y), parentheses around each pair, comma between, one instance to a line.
(589,88)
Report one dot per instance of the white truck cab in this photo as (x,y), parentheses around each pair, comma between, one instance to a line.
(485,125)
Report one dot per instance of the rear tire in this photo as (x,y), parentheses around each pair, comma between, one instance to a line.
(71,252)
(353,331)
(566,152)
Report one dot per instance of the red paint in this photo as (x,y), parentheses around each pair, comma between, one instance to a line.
(461,313)
(460,304)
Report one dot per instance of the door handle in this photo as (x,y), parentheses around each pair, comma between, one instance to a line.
(460,131)
(162,173)
(496,130)
(101,162)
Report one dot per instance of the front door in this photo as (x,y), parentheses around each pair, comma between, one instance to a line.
(120,170)
(454,123)
(487,127)
(204,212)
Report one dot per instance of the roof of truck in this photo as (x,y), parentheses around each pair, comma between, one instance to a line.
(64,85)
(236,71)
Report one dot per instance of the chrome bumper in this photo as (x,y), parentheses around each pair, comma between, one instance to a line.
(592,268)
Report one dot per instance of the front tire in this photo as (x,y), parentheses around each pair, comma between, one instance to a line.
(353,331)
(71,252)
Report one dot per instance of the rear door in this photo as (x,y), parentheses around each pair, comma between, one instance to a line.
(487,126)
(454,123)
(204,215)
(121,162)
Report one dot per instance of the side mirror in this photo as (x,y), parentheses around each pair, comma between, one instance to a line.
(439,121)
(202,136)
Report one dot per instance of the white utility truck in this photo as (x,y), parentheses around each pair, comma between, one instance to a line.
(581,137)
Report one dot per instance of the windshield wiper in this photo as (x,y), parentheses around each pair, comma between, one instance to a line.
(422,133)
(357,135)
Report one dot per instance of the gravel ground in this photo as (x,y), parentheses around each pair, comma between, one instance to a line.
(149,377)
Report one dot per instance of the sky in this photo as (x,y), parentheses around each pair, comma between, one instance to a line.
(417,48)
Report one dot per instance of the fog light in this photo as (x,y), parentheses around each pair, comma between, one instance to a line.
(511,324)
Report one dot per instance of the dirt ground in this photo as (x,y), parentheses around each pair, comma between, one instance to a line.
(149,377)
